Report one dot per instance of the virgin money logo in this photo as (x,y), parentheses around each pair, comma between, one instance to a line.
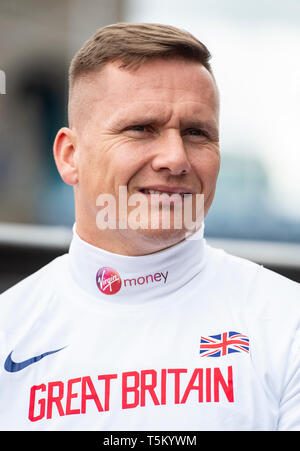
(108,280)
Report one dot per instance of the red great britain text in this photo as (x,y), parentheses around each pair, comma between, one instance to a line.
(138,389)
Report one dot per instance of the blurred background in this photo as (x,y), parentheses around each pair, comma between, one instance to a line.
(255,57)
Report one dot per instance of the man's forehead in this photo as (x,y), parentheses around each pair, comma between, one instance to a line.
(157,75)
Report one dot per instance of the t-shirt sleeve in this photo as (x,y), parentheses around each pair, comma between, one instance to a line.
(289,409)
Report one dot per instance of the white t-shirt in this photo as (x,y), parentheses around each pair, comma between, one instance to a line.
(189,338)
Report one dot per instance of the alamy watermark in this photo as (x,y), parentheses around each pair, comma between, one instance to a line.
(2,82)
(152,211)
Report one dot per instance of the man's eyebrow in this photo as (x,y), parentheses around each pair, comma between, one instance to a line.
(124,120)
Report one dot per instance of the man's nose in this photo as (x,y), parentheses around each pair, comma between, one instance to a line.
(171,154)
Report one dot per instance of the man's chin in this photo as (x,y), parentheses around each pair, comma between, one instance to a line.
(162,236)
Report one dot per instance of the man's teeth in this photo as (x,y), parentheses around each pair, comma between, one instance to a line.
(153,191)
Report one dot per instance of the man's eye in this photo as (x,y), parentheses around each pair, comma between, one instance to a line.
(137,128)
(197,132)
(138,131)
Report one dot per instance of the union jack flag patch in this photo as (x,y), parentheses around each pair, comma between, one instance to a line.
(223,344)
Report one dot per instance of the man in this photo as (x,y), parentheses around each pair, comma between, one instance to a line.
(143,326)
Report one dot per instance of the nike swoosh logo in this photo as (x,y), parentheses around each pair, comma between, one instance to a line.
(13,367)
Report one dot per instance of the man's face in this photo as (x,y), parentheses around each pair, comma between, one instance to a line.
(152,128)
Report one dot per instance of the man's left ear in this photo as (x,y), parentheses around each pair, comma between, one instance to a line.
(64,149)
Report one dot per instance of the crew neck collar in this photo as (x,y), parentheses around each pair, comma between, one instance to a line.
(116,278)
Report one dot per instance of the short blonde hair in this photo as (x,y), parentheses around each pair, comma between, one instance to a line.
(135,43)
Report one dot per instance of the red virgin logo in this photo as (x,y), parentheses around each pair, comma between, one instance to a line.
(108,280)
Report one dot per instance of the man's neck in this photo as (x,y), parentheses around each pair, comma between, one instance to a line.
(99,272)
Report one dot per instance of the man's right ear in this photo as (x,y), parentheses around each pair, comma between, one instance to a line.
(64,149)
